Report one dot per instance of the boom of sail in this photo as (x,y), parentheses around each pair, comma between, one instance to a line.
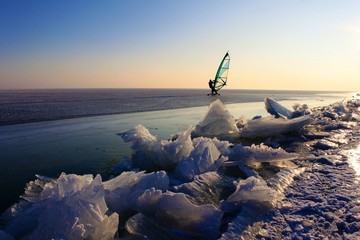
(222,73)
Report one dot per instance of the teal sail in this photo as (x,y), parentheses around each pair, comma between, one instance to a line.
(222,73)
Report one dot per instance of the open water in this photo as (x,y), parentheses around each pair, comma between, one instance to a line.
(81,136)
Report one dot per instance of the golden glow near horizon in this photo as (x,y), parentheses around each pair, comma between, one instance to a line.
(294,45)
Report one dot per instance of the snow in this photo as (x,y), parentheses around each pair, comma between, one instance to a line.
(222,179)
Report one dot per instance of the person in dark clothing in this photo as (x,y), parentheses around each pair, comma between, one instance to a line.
(211,86)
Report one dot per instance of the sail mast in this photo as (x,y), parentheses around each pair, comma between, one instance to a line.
(220,80)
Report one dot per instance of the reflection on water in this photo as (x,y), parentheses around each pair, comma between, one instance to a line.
(354,161)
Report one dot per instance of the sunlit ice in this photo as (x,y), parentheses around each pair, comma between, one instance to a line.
(354,161)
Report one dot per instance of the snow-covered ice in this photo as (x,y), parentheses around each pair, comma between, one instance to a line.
(261,178)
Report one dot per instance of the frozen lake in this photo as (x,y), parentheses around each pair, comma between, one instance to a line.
(273,197)
(90,144)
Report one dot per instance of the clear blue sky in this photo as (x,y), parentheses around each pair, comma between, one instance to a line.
(298,44)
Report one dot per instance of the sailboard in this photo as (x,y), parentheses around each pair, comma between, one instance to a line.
(221,76)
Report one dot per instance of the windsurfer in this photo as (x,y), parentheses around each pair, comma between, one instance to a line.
(211,86)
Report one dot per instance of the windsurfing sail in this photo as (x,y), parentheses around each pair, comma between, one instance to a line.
(222,73)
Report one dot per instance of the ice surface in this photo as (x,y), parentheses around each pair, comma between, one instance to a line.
(146,228)
(300,110)
(123,191)
(283,179)
(353,157)
(217,122)
(5,236)
(276,109)
(198,155)
(146,203)
(259,153)
(256,196)
(247,224)
(223,146)
(175,211)
(179,148)
(207,188)
(147,148)
(150,153)
(197,198)
(204,158)
(271,126)
(72,207)
(255,189)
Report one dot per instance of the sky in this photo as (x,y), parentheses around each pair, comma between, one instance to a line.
(273,44)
